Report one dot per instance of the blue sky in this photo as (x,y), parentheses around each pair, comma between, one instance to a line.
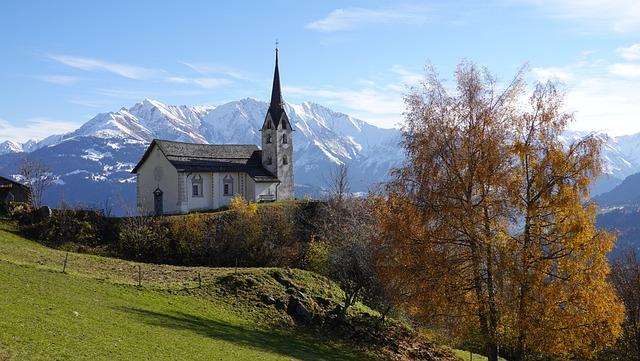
(64,61)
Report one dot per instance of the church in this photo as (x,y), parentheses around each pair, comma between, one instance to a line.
(175,177)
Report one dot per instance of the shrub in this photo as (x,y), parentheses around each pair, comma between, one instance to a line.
(316,258)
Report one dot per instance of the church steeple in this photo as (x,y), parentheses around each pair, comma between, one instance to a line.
(276,93)
(276,107)
(277,140)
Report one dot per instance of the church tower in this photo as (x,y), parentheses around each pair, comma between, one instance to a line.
(277,140)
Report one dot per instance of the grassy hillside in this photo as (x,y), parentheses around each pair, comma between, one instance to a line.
(96,311)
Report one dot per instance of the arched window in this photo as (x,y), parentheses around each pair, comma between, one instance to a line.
(284,125)
(227,187)
(269,138)
(285,160)
(284,139)
(269,161)
(269,126)
(196,186)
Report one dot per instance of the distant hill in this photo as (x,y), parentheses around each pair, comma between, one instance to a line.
(625,222)
(626,193)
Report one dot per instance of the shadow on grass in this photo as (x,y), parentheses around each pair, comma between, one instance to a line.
(270,341)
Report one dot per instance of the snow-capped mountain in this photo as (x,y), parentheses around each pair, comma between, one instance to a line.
(92,163)
(10,146)
(621,155)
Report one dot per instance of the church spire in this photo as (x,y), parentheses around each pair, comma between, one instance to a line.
(276,113)
(277,104)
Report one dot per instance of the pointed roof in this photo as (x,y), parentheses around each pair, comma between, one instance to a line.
(276,107)
(276,93)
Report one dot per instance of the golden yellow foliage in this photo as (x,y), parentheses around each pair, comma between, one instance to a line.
(486,226)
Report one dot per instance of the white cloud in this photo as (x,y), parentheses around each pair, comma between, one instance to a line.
(630,53)
(617,15)
(552,74)
(352,18)
(379,106)
(406,76)
(140,73)
(207,83)
(602,95)
(627,70)
(379,99)
(204,68)
(34,128)
(59,79)
(123,70)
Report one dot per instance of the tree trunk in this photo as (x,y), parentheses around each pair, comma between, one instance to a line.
(523,293)
(382,317)
(349,300)
(492,342)
(477,285)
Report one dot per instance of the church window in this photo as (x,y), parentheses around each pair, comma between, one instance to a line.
(285,160)
(196,186)
(269,161)
(268,124)
(269,138)
(227,185)
(284,139)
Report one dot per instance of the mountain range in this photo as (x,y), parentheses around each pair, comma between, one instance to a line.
(92,164)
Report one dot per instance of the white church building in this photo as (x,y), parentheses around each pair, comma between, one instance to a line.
(175,177)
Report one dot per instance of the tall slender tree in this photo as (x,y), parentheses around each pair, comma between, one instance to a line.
(486,227)
(558,265)
(451,207)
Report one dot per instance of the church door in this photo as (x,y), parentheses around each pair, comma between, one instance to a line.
(157,202)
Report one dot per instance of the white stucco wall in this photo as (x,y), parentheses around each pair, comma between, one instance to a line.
(264,189)
(157,172)
(219,198)
(206,200)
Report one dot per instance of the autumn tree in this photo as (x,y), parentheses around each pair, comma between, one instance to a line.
(557,263)
(477,221)
(446,212)
(242,230)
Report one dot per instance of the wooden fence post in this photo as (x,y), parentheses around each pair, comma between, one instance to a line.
(64,266)
(200,279)
(139,275)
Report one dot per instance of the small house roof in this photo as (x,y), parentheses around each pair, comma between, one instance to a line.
(9,183)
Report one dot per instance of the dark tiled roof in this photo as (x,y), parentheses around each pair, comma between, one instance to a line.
(190,157)
(179,150)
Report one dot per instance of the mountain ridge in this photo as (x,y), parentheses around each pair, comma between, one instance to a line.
(96,158)
(107,146)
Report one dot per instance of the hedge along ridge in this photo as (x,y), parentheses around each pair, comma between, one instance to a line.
(274,235)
